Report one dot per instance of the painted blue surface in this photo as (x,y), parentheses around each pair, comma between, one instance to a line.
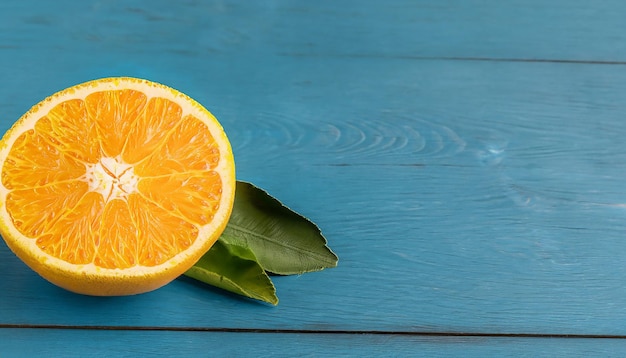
(466,184)
(104,343)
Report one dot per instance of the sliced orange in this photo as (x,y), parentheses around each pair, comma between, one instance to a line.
(115,186)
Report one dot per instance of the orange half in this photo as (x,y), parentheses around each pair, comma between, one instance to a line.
(115,186)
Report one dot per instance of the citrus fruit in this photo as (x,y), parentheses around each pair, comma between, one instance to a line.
(115,186)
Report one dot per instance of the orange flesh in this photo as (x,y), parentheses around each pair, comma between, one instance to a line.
(53,199)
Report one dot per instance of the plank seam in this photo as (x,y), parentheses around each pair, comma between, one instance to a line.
(461,58)
(307,331)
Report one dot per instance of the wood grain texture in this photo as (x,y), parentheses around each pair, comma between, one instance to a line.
(465,186)
(104,343)
(493,208)
(573,30)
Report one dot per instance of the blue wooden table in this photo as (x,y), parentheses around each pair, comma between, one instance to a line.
(465,159)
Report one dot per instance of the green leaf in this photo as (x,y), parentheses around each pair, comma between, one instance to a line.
(283,241)
(234,268)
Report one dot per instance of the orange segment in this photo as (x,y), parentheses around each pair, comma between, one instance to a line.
(162,234)
(74,236)
(117,245)
(194,197)
(34,161)
(190,147)
(34,210)
(66,127)
(113,112)
(115,186)
(159,116)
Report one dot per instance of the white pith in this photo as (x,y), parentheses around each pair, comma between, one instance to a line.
(112,178)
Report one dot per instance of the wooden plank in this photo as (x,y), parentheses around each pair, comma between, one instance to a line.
(460,196)
(574,30)
(99,343)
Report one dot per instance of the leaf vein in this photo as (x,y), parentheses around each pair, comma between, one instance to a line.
(234,227)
